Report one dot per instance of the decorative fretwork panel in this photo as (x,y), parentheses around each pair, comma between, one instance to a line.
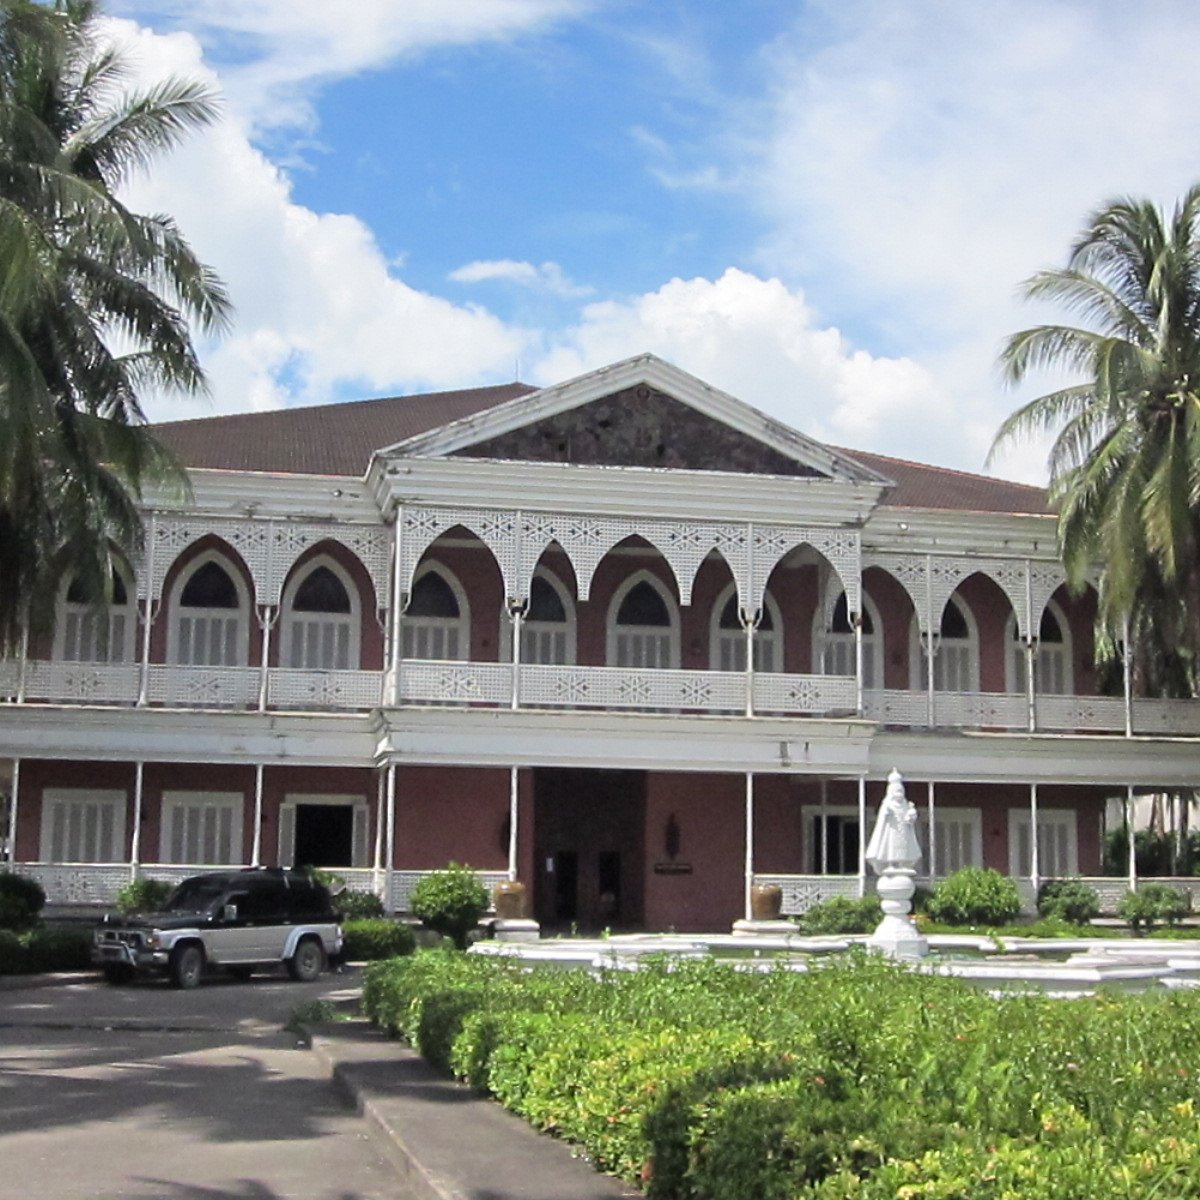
(204,687)
(370,544)
(1083,714)
(626,688)
(840,546)
(456,682)
(804,694)
(404,883)
(78,884)
(81,683)
(421,527)
(341,690)
(1045,578)
(801,892)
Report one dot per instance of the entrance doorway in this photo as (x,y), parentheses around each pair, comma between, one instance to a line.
(589,842)
(324,835)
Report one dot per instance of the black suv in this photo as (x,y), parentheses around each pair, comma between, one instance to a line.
(238,920)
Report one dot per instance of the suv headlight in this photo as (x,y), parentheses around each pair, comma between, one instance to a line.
(152,941)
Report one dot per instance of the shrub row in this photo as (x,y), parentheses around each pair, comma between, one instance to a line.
(372,938)
(859,1079)
(47,948)
(21,900)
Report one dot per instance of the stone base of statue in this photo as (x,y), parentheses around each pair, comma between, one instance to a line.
(516,929)
(776,928)
(897,935)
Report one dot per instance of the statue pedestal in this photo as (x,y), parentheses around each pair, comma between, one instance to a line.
(517,929)
(776,928)
(897,935)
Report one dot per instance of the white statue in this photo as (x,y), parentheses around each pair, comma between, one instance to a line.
(894,840)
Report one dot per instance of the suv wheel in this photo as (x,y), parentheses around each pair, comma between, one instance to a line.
(305,965)
(187,965)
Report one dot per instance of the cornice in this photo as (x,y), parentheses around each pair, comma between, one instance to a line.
(936,531)
(331,498)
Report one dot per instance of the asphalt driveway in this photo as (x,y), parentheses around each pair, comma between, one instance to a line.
(146,1091)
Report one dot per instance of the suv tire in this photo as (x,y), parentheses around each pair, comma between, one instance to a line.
(187,965)
(307,963)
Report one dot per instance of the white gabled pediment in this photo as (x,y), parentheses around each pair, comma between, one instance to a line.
(481,432)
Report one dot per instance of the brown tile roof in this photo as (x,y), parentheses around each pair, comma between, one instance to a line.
(922,486)
(324,439)
(339,439)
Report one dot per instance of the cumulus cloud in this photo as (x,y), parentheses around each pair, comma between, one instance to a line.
(549,277)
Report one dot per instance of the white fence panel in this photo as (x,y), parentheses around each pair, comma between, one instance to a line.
(804,693)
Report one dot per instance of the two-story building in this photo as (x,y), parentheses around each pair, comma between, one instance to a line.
(626,639)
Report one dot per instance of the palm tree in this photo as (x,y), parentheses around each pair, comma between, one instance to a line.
(1125,462)
(95,303)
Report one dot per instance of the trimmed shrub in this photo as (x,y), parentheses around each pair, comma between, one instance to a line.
(1154,904)
(357,906)
(12,953)
(841,914)
(374,938)
(1068,900)
(47,948)
(450,902)
(975,896)
(143,896)
(21,900)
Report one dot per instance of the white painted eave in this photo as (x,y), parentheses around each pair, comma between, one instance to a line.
(938,531)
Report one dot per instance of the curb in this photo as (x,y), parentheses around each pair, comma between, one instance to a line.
(445,1141)
(16,983)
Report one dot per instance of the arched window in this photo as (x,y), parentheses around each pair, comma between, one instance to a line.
(87,633)
(548,630)
(956,661)
(727,638)
(321,623)
(833,647)
(211,623)
(1052,674)
(437,622)
(643,624)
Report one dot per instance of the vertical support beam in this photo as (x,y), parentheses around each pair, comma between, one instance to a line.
(1130,815)
(749,866)
(265,621)
(930,708)
(256,844)
(390,870)
(516,615)
(1035,867)
(135,841)
(12,813)
(1127,673)
(933,862)
(862,836)
(23,662)
(746,609)
(859,682)
(147,619)
(379,820)
(824,826)
(748,624)
(513,812)
(395,619)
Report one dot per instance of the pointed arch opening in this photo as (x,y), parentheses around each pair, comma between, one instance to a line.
(727,636)
(437,623)
(834,643)
(210,607)
(956,656)
(89,632)
(1052,670)
(643,623)
(321,620)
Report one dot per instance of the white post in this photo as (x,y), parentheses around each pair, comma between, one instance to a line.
(862,835)
(929,641)
(390,871)
(749,842)
(1034,864)
(12,813)
(1127,671)
(396,620)
(513,808)
(256,844)
(379,820)
(135,843)
(858,658)
(1130,813)
(24,659)
(515,617)
(824,826)
(749,624)
(932,833)
(1030,651)
(147,619)
(266,622)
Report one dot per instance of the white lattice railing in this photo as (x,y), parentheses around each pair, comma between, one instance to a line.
(79,883)
(292,689)
(81,683)
(804,693)
(1099,714)
(403,883)
(632,688)
(801,892)
(455,682)
(204,687)
(1166,716)
(894,707)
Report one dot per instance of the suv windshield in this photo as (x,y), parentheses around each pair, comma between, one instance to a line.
(195,895)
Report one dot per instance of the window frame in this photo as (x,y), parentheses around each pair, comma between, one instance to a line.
(823,639)
(461,624)
(771,638)
(612,629)
(360,829)
(961,814)
(917,656)
(175,800)
(114,799)
(176,610)
(68,610)
(568,627)
(1015,649)
(352,621)
(1020,819)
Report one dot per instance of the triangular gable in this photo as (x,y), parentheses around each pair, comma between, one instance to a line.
(649,393)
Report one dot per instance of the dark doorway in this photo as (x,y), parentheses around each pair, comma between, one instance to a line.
(841,857)
(589,844)
(324,835)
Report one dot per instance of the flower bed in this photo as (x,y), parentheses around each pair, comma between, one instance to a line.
(858,1080)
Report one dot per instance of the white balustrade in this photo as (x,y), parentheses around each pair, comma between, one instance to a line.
(891,706)
(455,682)
(632,688)
(204,687)
(81,683)
(341,690)
(79,883)
(1083,714)
(801,892)
(404,883)
(981,710)
(777,693)
(1179,717)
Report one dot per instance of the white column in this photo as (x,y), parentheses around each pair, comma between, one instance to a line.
(824,826)
(929,641)
(147,619)
(862,835)
(513,809)
(749,866)
(22,662)
(379,820)
(749,624)
(516,615)
(396,617)
(1034,865)
(1130,814)
(932,864)
(1030,650)
(135,842)
(1127,672)
(390,869)
(12,812)
(266,621)
(256,844)
(859,683)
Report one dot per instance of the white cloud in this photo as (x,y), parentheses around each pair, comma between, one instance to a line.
(319,310)
(549,277)
(760,341)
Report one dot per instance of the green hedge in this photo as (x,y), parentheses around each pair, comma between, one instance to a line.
(694,1079)
(373,938)
(47,948)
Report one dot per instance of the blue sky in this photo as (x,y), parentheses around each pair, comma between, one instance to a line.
(823,207)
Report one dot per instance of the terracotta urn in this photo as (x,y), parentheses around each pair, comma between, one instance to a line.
(766,902)
(509,898)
